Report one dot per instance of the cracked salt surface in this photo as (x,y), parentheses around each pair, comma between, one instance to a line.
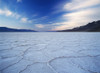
(50,52)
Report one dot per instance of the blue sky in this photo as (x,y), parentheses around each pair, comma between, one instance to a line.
(48,15)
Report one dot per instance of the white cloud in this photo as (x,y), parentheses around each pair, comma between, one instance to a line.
(19,0)
(26,20)
(9,13)
(83,13)
(17,16)
(34,15)
(80,4)
(44,17)
(79,18)
(39,26)
(5,12)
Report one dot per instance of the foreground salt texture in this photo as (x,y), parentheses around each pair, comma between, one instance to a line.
(49,52)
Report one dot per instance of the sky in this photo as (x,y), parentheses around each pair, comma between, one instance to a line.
(48,15)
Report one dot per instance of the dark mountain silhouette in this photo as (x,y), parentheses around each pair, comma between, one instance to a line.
(5,29)
(90,27)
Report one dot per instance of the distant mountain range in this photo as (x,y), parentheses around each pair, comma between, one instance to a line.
(90,27)
(5,29)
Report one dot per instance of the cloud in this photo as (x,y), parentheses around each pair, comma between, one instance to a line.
(80,4)
(34,15)
(39,26)
(25,20)
(83,13)
(44,17)
(5,12)
(79,18)
(9,13)
(19,0)
(17,16)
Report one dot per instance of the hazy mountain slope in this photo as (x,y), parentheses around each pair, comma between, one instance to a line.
(94,26)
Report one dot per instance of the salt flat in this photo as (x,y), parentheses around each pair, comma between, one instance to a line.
(50,52)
